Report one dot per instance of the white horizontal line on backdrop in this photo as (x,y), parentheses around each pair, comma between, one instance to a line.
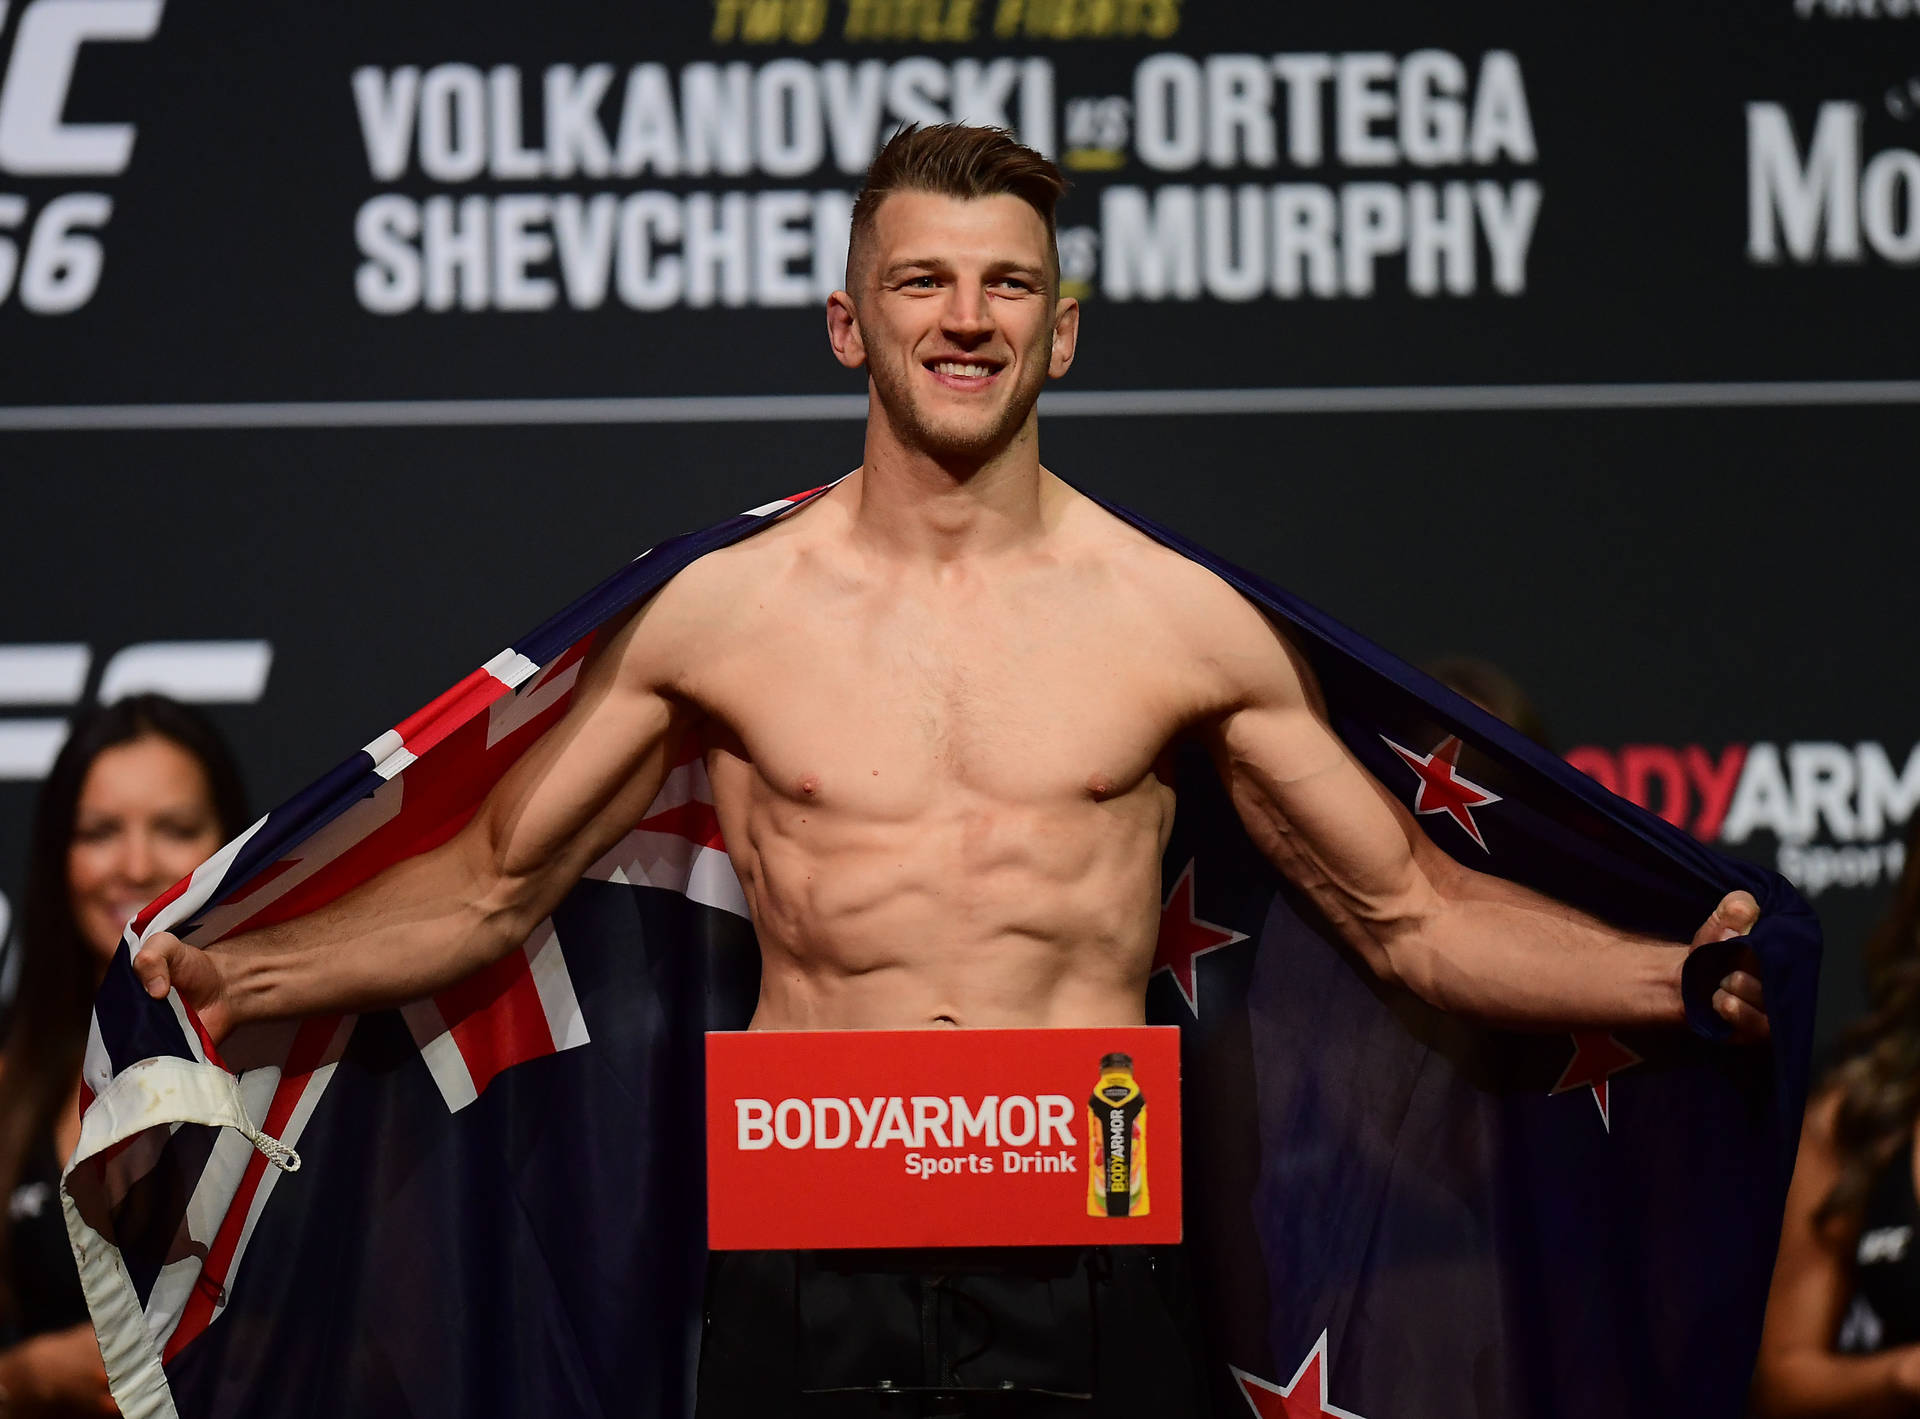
(808,408)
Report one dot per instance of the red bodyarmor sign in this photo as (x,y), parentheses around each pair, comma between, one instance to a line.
(938,1138)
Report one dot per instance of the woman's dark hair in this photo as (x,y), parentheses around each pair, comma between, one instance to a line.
(1877,1082)
(48,1034)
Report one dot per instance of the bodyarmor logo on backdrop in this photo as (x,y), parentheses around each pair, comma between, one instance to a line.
(1838,812)
(729,181)
(51,255)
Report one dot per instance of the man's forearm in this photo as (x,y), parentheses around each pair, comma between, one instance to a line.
(415,929)
(1510,956)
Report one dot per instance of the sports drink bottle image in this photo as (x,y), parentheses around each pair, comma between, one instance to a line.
(1117,1128)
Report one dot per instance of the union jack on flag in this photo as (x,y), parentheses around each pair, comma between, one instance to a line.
(491,1202)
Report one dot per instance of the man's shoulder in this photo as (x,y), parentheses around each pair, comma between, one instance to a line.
(763,555)
(1159,575)
(720,597)
(1223,638)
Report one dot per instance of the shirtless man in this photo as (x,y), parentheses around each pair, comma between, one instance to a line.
(936,707)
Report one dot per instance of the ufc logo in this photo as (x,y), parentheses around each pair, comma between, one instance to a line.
(51,254)
(197,672)
(35,138)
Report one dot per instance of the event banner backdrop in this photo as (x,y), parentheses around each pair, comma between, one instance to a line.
(338,344)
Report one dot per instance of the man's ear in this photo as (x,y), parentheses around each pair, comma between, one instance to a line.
(1066,336)
(843,331)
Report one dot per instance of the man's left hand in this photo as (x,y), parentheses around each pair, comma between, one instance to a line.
(1739,999)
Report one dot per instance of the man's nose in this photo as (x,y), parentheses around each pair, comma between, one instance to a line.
(967,318)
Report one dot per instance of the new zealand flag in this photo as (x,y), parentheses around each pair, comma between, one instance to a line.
(491,1203)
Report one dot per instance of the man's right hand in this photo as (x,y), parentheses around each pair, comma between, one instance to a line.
(167,963)
(436,917)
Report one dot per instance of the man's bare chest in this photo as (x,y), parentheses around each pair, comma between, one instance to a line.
(892,709)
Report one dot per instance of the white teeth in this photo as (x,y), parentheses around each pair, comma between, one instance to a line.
(950,367)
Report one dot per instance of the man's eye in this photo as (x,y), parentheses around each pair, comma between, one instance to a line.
(921,282)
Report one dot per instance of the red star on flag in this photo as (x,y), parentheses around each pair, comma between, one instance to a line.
(1305,1397)
(1597,1057)
(1442,790)
(1184,938)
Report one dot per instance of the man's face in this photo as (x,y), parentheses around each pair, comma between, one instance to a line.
(956,317)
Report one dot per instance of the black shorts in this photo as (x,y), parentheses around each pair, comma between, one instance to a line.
(1023,1331)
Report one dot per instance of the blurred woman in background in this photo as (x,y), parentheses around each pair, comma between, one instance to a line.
(144,791)
(1842,1334)
(1495,691)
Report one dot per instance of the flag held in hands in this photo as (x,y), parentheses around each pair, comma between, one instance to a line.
(491,1202)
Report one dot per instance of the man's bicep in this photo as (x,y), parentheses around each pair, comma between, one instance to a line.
(583,784)
(1326,822)
(1305,799)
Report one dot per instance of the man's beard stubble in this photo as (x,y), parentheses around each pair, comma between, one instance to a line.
(978,446)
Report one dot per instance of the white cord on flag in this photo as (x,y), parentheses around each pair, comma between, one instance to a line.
(274,1151)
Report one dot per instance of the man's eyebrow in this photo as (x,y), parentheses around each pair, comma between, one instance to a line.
(1005,266)
(918,263)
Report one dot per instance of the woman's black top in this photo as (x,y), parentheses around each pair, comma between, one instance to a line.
(1886,1264)
(46,1282)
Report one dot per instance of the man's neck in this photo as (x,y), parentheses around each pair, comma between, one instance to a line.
(909,504)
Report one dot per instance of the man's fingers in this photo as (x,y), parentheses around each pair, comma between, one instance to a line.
(163,964)
(1745,986)
(1741,999)
(167,963)
(154,964)
(1736,915)
(1748,1022)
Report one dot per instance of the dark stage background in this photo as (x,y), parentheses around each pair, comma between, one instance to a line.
(1580,339)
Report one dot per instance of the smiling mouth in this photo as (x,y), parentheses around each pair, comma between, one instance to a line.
(963,374)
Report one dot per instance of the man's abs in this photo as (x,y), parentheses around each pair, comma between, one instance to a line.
(971,913)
